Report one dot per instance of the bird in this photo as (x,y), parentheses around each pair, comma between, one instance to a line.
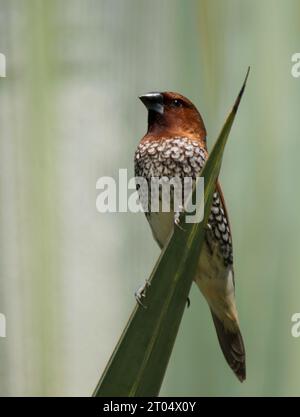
(175,145)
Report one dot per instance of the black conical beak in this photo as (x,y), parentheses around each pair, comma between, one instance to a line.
(153,101)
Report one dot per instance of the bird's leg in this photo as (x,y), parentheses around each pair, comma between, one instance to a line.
(177,218)
(141,293)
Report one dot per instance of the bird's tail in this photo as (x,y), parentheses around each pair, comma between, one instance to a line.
(232,346)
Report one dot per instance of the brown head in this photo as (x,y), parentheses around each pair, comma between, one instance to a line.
(171,114)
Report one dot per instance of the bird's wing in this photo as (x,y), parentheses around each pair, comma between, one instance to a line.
(221,195)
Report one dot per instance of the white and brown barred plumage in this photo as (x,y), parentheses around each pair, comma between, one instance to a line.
(183,157)
(175,145)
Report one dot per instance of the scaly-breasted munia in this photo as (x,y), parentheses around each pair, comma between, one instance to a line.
(175,145)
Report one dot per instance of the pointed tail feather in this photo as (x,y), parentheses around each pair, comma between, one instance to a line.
(232,346)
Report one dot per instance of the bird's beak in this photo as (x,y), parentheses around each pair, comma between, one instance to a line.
(153,101)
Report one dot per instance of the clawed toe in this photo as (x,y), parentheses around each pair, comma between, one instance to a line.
(177,220)
(141,293)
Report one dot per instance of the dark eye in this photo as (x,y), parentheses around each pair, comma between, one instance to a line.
(176,103)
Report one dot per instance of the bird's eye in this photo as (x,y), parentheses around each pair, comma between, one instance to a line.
(177,103)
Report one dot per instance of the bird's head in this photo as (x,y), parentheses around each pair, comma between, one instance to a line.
(171,114)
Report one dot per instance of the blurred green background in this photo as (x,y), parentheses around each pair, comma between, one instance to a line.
(69,114)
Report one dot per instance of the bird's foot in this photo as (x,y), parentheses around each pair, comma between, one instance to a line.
(141,293)
(188,302)
(177,220)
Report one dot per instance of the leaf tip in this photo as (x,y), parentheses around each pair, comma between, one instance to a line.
(240,95)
